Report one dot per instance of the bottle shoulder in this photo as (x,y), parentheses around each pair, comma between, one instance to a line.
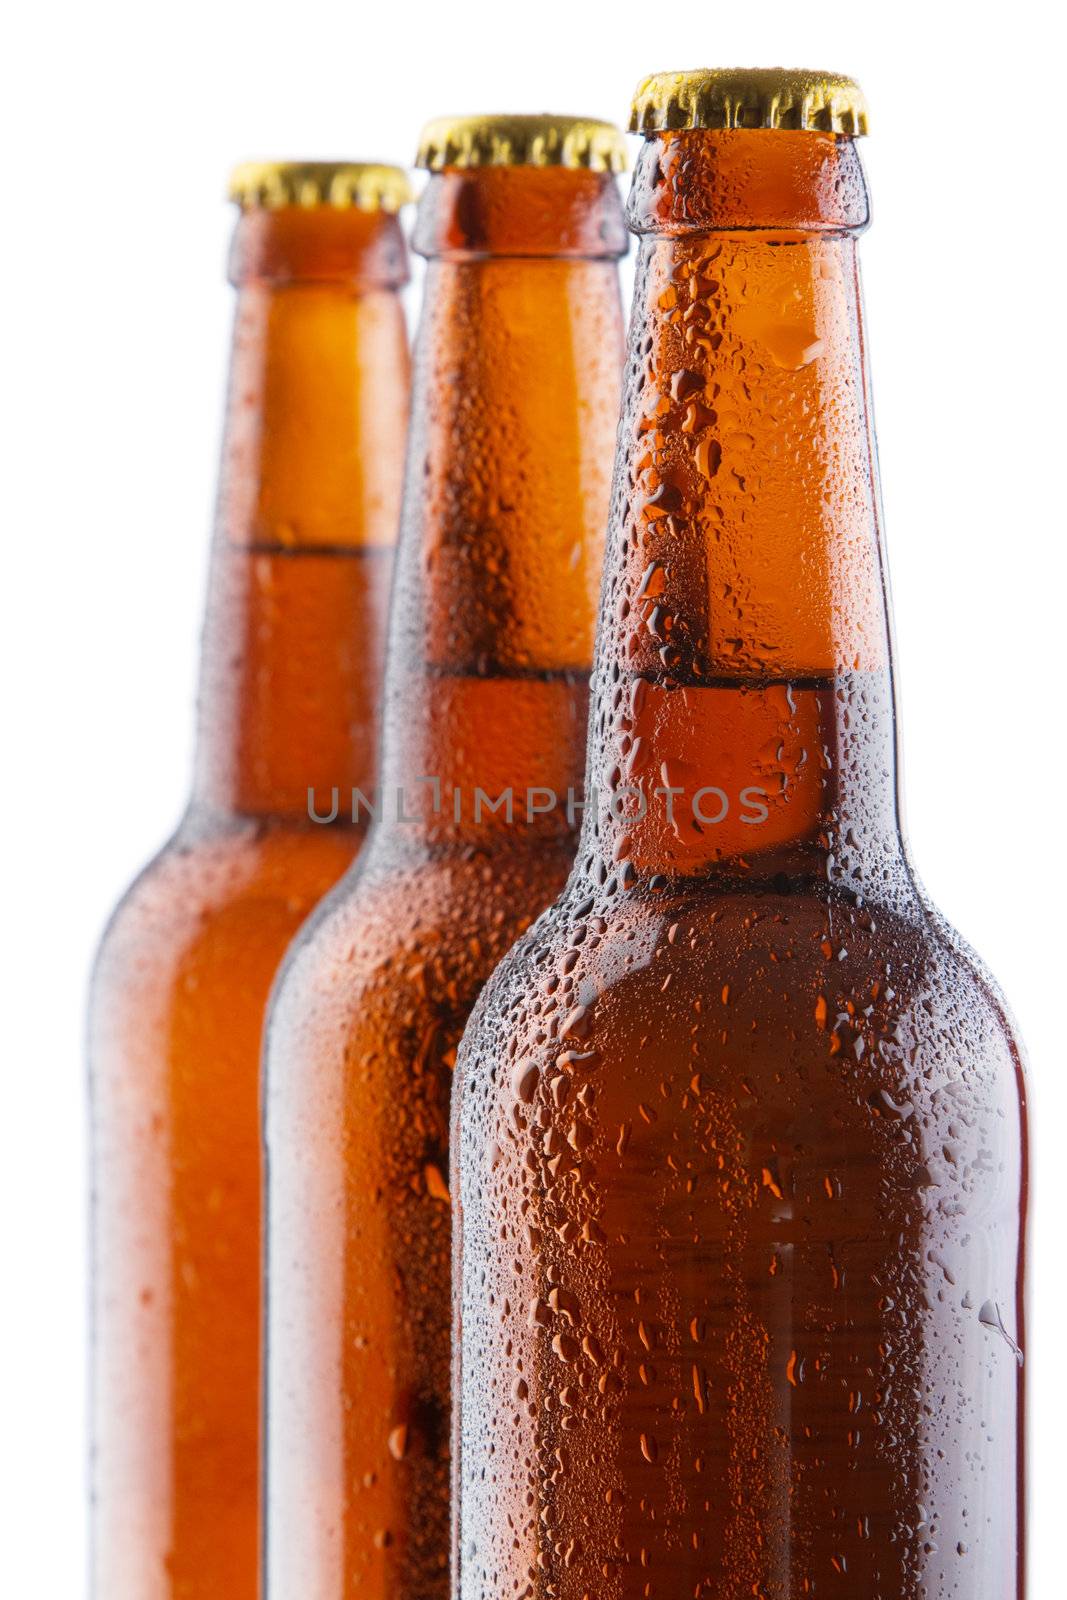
(811,974)
(208,890)
(403,944)
(393,903)
(805,1042)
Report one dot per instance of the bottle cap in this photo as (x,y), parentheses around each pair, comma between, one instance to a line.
(271,185)
(749,97)
(521,141)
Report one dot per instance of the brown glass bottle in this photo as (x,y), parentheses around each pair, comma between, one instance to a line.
(311,471)
(740,1128)
(517,377)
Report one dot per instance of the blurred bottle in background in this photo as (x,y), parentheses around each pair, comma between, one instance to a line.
(290,681)
(517,380)
(741,1143)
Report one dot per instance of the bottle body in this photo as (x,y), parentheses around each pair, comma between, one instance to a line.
(179,993)
(516,385)
(291,664)
(741,1139)
(768,1335)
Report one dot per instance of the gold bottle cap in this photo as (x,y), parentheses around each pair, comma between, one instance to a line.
(365,185)
(749,97)
(521,141)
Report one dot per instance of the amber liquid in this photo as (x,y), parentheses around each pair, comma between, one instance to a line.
(514,404)
(362,1042)
(312,617)
(741,1133)
(290,683)
(179,995)
(176,1030)
(741,1169)
(713,769)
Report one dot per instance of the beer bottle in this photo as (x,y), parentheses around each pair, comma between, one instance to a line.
(518,367)
(311,476)
(740,1129)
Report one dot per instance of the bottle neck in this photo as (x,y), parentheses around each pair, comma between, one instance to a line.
(743,720)
(517,375)
(307,512)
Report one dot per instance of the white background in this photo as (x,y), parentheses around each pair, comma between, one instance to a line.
(120,123)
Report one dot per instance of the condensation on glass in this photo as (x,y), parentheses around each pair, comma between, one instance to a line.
(518,369)
(290,678)
(740,1127)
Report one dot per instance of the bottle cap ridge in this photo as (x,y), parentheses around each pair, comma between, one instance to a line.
(541,140)
(749,97)
(367,186)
